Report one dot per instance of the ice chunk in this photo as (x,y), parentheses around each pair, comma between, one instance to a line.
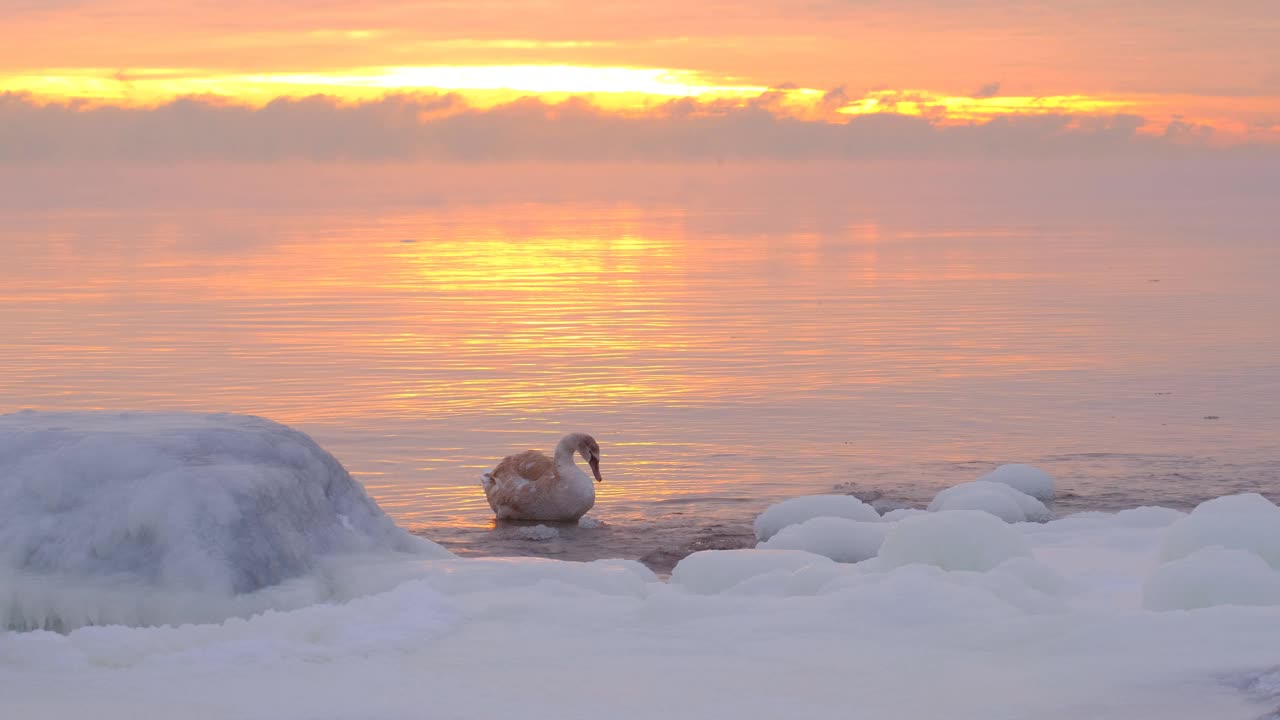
(1212,576)
(996,498)
(1148,517)
(953,540)
(1242,522)
(840,539)
(799,509)
(1024,478)
(537,532)
(138,518)
(713,571)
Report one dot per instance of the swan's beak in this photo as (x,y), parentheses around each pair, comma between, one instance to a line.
(595,468)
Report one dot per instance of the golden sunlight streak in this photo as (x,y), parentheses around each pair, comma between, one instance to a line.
(481,85)
(960,108)
(625,89)
(527,78)
(488,85)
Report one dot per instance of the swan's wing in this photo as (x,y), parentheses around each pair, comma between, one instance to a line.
(530,465)
(518,480)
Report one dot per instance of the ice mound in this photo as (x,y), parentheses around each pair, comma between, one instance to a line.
(1241,522)
(999,499)
(1212,576)
(714,571)
(797,510)
(1024,478)
(138,518)
(838,538)
(1148,517)
(953,540)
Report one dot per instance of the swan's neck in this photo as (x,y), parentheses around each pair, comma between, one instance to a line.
(565,450)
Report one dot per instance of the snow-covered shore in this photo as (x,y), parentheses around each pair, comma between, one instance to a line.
(1146,613)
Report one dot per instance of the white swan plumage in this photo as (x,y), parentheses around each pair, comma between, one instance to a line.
(531,486)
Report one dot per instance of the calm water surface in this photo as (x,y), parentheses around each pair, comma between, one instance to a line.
(723,359)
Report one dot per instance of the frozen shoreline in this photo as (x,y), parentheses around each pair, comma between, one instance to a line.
(807,636)
(1145,613)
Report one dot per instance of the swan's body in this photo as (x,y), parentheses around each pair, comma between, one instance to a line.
(532,486)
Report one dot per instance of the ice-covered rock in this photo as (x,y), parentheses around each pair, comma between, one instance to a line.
(999,499)
(1242,522)
(1212,576)
(797,510)
(713,571)
(140,518)
(1024,478)
(953,540)
(838,538)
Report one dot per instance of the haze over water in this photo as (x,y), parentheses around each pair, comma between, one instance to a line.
(725,354)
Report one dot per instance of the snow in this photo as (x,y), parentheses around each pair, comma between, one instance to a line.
(1225,552)
(1212,576)
(715,571)
(1024,478)
(1243,522)
(1146,613)
(1148,517)
(995,498)
(169,518)
(953,540)
(838,538)
(799,509)
(1060,630)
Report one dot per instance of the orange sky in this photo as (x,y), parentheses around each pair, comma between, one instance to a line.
(1216,63)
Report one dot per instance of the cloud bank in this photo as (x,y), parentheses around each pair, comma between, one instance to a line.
(441,128)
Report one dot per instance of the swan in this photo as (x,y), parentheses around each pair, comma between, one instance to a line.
(531,486)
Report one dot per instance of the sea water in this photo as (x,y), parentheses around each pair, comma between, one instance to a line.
(725,354)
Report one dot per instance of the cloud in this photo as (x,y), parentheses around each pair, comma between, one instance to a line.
(442,128)
(19,7)
(834,99)
(989,90)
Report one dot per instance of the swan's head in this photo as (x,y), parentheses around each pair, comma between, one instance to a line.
(590,451)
